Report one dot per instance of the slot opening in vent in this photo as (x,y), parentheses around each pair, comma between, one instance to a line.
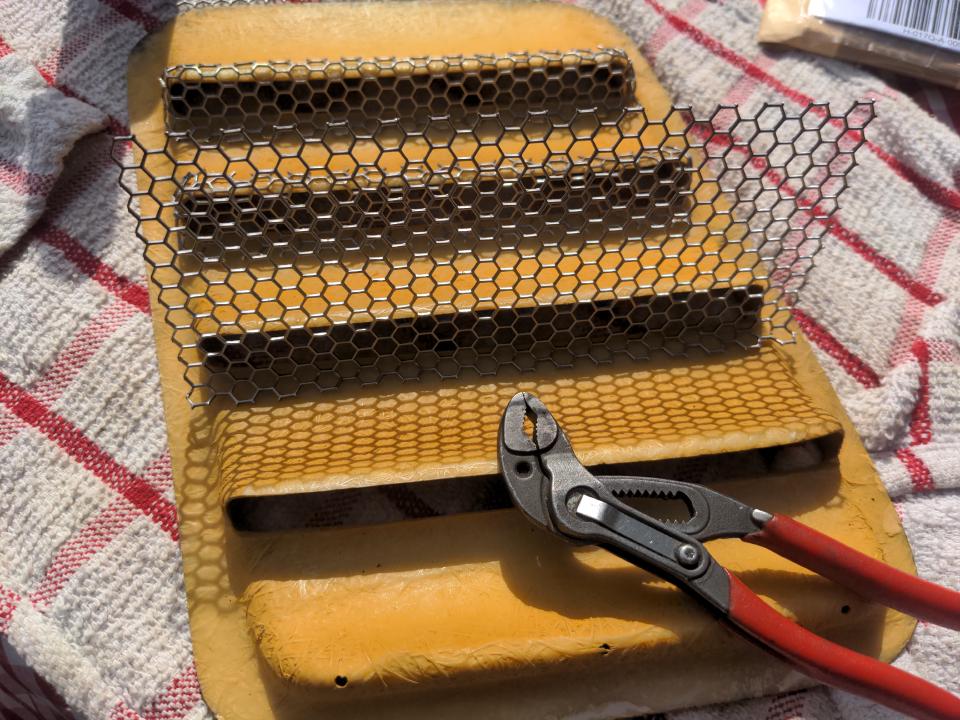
(256,96)
(399,502)
(447,215)
(449,345)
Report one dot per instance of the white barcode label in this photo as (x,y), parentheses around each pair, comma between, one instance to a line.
(936,22)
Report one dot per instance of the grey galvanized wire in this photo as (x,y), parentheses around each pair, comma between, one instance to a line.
(314,225)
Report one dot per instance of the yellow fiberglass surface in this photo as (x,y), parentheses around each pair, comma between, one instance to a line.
(482,615)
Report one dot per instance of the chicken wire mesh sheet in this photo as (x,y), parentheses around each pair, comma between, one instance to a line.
(338,253)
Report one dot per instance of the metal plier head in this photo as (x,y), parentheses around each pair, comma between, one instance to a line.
(553,489)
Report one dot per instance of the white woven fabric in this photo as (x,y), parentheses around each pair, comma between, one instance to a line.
(90,580)
(38,126)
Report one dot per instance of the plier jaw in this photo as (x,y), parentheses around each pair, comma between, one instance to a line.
(555,491)
(527,432)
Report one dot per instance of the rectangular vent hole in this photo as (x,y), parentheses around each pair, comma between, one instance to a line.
(245,225)
(257,96)
(480,342)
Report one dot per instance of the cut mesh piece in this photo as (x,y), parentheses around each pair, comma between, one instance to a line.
(331,253)
(257,96)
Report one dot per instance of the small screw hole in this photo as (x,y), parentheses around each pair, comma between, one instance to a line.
(845,609)
(340,681)
(523,468)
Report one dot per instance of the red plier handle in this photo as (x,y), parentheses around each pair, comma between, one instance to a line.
(861,573)
(834,664)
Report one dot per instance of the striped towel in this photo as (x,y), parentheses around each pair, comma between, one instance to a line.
(91,593)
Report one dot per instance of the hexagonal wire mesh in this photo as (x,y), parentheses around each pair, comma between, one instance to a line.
(343,247)
(258,96)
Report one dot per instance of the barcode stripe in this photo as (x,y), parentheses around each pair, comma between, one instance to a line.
(937,17)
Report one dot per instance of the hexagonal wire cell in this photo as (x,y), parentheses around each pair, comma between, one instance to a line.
(257,96)
(330,252)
